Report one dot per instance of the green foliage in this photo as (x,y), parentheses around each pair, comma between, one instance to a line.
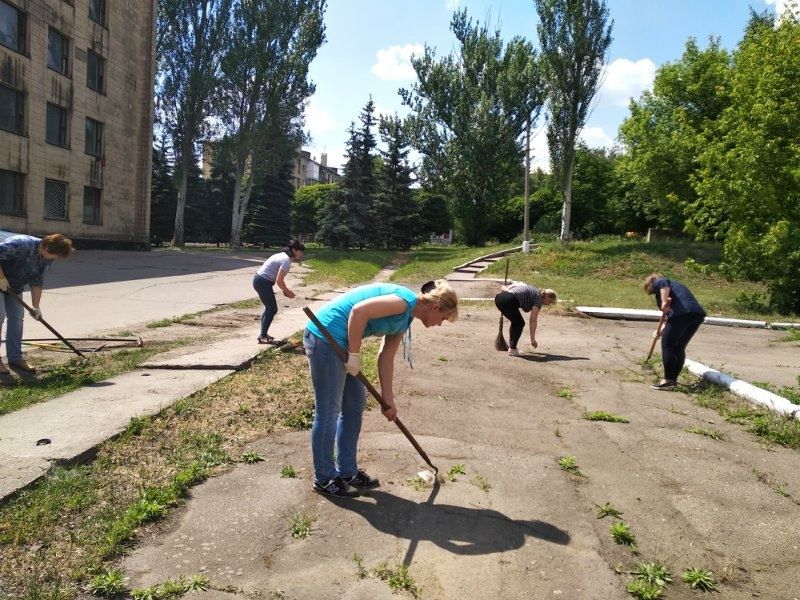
(468,110)
(288,472)
(607,510)
(622,534)
(455,471)
(268,222)
(711,433)
(301,524)
(252,457)
(398,578)
(700,579)
(108,584)
(307,203)
(433,211)
(653,573)
(163,196)
(642,590)
(601,415)
(570,465)
(481,482)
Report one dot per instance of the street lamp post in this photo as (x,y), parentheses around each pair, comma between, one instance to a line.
(526,243)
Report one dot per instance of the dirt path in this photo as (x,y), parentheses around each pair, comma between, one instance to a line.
(690,500)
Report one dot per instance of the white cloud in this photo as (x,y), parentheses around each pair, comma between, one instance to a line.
(596,137)
(394,62)
(540,155)
(319,120)
(452,4)
(625,79)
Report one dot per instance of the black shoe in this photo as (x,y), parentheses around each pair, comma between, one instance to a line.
(362,481)
(338,488)
(666,386)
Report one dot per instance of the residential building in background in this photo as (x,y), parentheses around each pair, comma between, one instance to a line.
(76,106)
(308,171)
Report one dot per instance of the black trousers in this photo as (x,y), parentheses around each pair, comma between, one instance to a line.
(509,306)
(676,336)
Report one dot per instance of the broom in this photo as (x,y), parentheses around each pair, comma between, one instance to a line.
(500,340)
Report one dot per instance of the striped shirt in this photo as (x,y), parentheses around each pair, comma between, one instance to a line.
(527,296)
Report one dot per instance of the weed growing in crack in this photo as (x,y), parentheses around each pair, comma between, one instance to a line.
(398,578)
(455,471)
(108,584)
(251,457)
(607,510)
(361,572)
(301,525)
(565,393)
(641,590)
(481,482)
(601,415)
(700,579)
(418,483)
(288,472)
(570,465)
(653,573)
(622,534)
(714,434)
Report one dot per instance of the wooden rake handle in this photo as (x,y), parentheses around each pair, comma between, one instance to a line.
(45,323)
(661,324)
(342,354)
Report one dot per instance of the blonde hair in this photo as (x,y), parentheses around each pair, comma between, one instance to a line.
(548,293)
(648,282)
(442,294)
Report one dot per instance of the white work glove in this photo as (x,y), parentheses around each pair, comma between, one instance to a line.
(353,365)
(3,284)
(36,313)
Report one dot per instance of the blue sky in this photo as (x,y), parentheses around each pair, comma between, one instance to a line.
(369,43)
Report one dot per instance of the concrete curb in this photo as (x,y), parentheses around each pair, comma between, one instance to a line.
(637,314)
(743,389)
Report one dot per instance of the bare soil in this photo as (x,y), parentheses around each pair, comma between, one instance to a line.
(691,501)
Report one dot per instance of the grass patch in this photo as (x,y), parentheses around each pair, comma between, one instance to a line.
(608,510)
(455,471)
(418,483)
(82,518)
(57,379)
(610,272)
(288,472)
(344,267)
(301,524)
(108,584)
(642,590)
(168,321)
(652,573)
(481,482)
(622,534)
(252,457)
(700,579)
(565,393)
(714,434)
(398,578)
(361,572)
(570,465)
(434,262)
(600,415)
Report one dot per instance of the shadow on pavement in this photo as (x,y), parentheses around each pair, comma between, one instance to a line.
(456,529)
(550,357)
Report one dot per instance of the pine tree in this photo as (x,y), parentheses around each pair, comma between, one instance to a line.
(336,222)
(164,196)
(359,177)
(268,219)
(395,214)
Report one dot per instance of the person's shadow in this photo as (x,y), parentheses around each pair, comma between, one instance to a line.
(460,530)
(550,357)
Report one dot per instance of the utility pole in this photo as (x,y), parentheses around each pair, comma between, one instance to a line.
(526,234)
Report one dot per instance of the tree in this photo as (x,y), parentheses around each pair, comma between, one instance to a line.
(264,88)
(307,203)
(435,217)
(337,225)
(163,196)
(468,111)
(395,214)
(574,36)
(192,35)
(268,222)
(664,135)
(748,182)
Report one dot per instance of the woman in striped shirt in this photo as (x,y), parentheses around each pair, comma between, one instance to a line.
(516,296)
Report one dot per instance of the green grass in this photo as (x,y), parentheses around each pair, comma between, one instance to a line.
(570,465)
(288,472)
(642,590)
(398,578)
(700,579)
(714,434)
(108,584)
(610,272)
(434,262)
(607,510)
(418,483)
(481,482)
(344,267)
(601,415)
(565,393)
(455,471)
(252,457)
(55,380)
(653,573)
(301,524)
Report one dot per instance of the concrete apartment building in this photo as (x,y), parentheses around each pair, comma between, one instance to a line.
(308,171)
(76,106)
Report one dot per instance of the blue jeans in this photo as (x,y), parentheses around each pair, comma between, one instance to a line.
(12,312)
(265,291)
(339,401)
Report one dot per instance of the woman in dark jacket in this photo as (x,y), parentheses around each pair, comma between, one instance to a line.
(684,317)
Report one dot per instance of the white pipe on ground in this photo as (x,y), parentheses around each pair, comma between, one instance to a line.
(639,314)
(753,394)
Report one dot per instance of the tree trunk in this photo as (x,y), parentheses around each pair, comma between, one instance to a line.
(240,202)
(566,212)
(185,164)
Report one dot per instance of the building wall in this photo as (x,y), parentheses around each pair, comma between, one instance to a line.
(125,108)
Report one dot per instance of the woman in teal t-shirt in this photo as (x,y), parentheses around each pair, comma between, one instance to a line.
(380,309)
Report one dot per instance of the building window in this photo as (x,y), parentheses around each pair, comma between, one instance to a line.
(57,124)
(55,199)
(94,137)
(57,51)
(12,104)
(97,11)
(12,27)
(11,192)
(91,206)
(95,71)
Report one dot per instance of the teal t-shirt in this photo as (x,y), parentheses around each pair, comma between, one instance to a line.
(336,313)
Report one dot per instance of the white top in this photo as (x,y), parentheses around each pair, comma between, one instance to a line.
(277,262)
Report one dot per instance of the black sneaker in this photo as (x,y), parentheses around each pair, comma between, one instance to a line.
(666,386)
(362,481)
(338,488)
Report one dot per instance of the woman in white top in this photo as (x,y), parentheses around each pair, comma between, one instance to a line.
(273,272)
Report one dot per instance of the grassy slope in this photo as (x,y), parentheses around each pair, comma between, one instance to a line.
(433,262)
(345,267)
(611,273)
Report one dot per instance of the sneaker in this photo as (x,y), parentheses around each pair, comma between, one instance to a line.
(337,487)
(513,352)
(666,386)
(362,481)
